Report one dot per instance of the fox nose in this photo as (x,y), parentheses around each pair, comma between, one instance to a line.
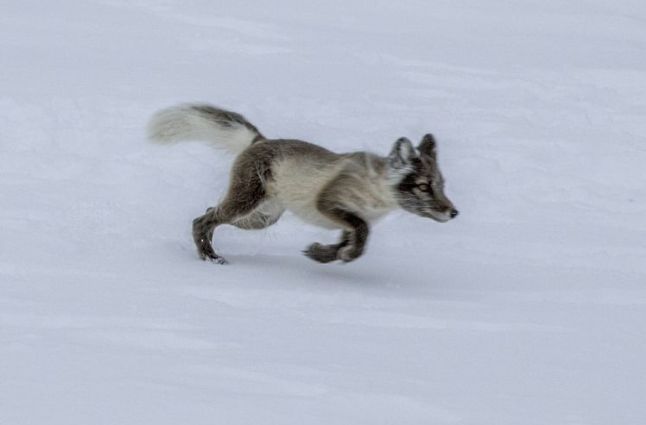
(454,213)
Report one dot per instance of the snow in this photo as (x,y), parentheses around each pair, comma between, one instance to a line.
(529,308)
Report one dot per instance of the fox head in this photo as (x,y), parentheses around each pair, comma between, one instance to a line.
(417,182)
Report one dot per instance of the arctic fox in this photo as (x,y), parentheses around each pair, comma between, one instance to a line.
(346,191)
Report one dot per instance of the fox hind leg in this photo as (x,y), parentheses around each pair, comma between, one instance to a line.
(203,228)
(245,194)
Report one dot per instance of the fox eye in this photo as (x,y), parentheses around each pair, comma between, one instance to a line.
(424,187)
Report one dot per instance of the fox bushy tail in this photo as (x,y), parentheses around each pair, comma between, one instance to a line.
(224,129)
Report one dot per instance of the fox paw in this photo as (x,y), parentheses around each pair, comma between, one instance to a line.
(213,257)
(321,253)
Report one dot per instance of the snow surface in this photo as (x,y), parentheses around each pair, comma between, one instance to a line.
(530,308)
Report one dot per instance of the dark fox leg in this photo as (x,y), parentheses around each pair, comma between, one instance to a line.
(203,234)
(355,234)
(357,238)
(246,192)
(352,243)
(327,253)
(204,226)
(224,213)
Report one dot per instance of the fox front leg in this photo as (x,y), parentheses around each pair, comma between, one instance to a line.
(352,242)
(331,204)
(357,240)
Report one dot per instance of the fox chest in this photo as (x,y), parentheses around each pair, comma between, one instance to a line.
(300,188)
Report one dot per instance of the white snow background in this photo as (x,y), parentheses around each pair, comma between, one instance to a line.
(529,308)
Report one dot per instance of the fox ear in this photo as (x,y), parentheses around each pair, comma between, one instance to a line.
(427,147)
(402,153)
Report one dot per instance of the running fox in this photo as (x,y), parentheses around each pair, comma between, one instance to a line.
(345,191)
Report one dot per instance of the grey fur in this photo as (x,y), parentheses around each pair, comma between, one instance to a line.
(343,191)
(226,119)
